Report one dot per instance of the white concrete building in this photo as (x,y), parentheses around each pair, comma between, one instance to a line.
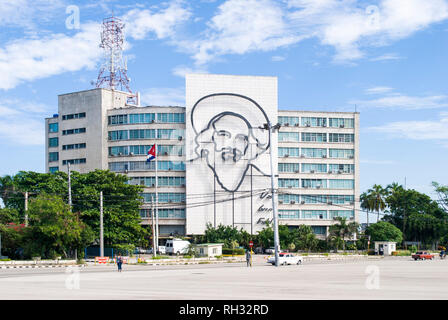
(213,156)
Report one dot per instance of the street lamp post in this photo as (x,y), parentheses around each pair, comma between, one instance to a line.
(268,126)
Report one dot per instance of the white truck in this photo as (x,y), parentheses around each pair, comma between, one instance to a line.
(176,246)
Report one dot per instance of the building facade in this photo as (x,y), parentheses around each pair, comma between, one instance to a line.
(213,156)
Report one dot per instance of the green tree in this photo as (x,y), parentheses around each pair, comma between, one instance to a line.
(442,193)
(266,236)
(340,230)
(384,231)
(374,199)
(54,229)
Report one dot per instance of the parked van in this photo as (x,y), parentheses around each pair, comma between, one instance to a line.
(176,246)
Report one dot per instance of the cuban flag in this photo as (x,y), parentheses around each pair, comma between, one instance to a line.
(151,154)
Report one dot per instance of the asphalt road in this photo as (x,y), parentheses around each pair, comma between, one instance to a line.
(389,278)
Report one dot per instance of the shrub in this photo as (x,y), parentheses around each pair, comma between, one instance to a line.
(401,253)
(233,252)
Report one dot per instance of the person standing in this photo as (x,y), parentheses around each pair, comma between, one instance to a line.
(248,258)
(119,263)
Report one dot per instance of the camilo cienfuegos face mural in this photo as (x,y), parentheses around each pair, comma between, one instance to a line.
(227,142)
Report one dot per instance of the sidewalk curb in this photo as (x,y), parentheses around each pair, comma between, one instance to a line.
(40,267)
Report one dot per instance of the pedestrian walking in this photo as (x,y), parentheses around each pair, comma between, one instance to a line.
(119,263)
(248,258)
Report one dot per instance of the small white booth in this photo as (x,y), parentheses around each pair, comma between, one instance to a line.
(385,247)
(209,249)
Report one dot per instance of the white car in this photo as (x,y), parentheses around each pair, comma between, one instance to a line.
(286,258)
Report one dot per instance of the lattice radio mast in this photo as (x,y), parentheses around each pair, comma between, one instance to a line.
(113,72)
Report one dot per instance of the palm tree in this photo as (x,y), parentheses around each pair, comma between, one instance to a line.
(376,199)
(342,229)
(365,204)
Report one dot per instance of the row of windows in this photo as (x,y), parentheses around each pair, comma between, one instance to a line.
(164,213)
(137,118)
(316,168)
(164,197)
(316,137)
(73,131)
(317,183)
(74,116)
(74,146)
(170,134)
(317,122)
(146,166)
(316,153)
(162,181)
(164,150)
(74,161)
(315,214)
(316,199)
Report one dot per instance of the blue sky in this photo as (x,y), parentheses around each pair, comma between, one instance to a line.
(387,57)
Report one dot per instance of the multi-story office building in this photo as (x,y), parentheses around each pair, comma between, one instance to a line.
(316,154)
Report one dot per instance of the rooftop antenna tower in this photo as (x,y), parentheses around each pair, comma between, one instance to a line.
(113,72)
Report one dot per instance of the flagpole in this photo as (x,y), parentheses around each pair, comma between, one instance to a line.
(157,200)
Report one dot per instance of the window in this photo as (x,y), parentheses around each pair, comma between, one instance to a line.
(146,166)
(321,230)
(118,135)
(143,181)
(53,142)
(171,197)
(342,137)
(290,152)
(342,184)
(288,167)
(74,146)
(288,136)
(313,168)
(142,134)
(171,134)
(342,153)
(288,214)
(141,118)
(288,198)
(74,161)
(74,116)
(73,131)
(342,213)
(53,156)
(288,121)
(314,199)
(119,151)
(314,153)
(314,214)
(53,127)
(170,150)
(314,183)
(342,168)
(288,183)
(118,119)
(314,137)
(171,181)
(314,122)
(53,169)
(341,199)
(171,117)
(164,213)
(342,123)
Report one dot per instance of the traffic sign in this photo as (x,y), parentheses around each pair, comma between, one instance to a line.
(251,244)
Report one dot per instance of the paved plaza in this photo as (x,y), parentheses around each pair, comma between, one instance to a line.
(388,278)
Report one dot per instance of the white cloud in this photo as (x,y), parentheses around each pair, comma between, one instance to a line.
(418,130)
(278,58)
(163,24)
(27,60)
(22,122)
(181,71)
(387,56)
(242,26)
(378,90)
(163,97)
(405,102)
